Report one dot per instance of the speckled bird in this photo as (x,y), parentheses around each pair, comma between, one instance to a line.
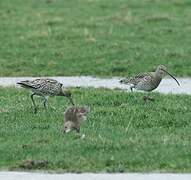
(148,81)
(45,88)
(74,116)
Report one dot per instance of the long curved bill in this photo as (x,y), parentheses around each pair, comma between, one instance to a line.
(172,77)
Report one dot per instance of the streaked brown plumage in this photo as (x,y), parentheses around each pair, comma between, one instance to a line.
(45,88)
(73,118)
(148,81)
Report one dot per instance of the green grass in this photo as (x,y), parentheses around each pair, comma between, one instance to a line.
(94,37)
(123,133)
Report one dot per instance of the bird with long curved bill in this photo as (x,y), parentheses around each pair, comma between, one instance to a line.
(45,88)
(148,81)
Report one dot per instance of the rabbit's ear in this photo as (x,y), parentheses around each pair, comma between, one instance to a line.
(74,110)
(84,110)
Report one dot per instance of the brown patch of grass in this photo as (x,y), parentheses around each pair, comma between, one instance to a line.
(158,18)
(34,164)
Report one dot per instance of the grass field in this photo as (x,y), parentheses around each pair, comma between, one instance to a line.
(94,37)
(123,133)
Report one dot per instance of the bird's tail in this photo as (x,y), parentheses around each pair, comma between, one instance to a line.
(25,84)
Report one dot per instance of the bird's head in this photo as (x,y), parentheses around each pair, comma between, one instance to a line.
(161,71)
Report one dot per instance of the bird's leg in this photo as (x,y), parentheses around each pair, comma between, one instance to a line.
(134,95)
(46,105)
(35,107)
(131,88)
(45,102)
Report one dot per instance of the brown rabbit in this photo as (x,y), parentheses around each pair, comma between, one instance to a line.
(73,117)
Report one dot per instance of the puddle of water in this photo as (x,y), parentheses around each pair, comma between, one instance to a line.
(167,85)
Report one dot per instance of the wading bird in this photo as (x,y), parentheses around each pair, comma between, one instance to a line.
(148,81)
(45,88)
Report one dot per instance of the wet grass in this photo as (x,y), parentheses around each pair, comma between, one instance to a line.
(87,37)
(123,133)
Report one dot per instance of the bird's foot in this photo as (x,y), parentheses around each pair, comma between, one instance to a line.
(147,98)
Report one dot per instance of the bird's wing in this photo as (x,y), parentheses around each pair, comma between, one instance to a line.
(52,81)
(136,79)
(49,86)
